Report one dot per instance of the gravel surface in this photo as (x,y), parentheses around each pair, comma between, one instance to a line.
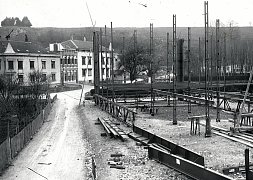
(70,139)
(135,159)
(218,151)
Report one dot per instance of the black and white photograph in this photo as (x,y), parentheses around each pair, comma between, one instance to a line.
(126,90)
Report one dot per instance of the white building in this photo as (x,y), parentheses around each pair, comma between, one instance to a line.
(85,59)
(21,58)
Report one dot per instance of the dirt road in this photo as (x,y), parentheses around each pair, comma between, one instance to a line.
(58,150)
(63,148)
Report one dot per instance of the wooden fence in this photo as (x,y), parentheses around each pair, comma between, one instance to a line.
(11,147)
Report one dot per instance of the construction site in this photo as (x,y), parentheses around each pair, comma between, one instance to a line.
(186,116)
(199,121)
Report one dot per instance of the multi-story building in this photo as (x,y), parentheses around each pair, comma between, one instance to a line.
(68,62)
(21,58)
(85,63)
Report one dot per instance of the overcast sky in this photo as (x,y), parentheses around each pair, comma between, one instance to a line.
(127,13)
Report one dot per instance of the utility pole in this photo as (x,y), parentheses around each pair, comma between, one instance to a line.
(208,123)
(174,71)
(151,68)
(168,58)
(189,71)
(112,63)
(218,62)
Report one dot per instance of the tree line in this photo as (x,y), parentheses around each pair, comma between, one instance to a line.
(11,21)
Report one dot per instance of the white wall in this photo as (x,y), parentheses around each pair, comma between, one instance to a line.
(37,65)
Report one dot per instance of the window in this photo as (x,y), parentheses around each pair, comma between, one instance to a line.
(52,64)
(66,76)
(20,64)
(84,72)
(69,60)
(53,77)
(10,65)
(20,78)
(75,61)
(103,71)
(31,64)
(89,72)
(69,76)
(43,64)
(0,64)
(103,60)
(107,72)
(32,78)
(89,61)
(66,61)
(83,60)
(107,60)
(44,77)
(61,61)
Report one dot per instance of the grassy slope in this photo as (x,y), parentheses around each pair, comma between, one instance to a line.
(49,35)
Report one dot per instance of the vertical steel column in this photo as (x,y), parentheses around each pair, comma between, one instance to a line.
(174,71)
(135,53)
(224,63)
(208,123)
(151,68)
(106,64)
(96,61)
(101,54)
(112,64)
(168,58)
(124,61)
(211,60)
(200,62)
(189,70)
(247,163)
(218,63)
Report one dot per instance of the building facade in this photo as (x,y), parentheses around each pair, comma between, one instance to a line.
(21,58)
(84,67)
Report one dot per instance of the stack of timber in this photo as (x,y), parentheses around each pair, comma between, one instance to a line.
(112,129)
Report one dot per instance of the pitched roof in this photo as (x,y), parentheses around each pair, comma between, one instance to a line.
(78,45)
(22,47)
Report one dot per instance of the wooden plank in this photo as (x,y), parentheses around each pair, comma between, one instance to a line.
(105,127)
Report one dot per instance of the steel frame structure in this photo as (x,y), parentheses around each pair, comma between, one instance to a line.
(208,123)
(174,71)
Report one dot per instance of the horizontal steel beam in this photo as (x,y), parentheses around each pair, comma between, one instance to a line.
(184,166)
(187,97)
(175,149)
